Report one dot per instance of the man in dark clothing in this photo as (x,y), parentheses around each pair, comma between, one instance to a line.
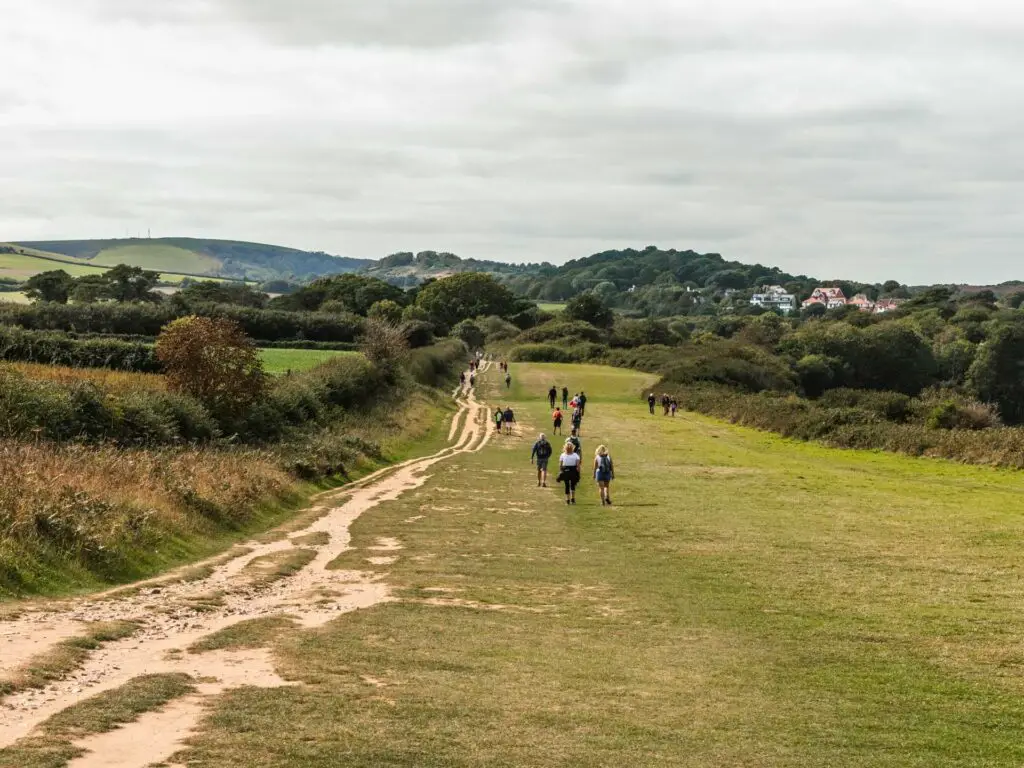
(565,398)
(510,419)
(575,440)
(552,396)
(508,381)
(650,402)
(583,402)
(542,451)
(577,421)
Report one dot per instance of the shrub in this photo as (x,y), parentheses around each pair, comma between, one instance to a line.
(540,353)
(470,334)
(385,345)
(212,360)
(563,331)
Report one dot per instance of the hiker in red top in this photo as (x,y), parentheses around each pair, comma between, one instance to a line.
(556,419)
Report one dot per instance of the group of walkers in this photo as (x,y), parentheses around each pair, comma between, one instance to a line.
(669,404)
(504,417)
(570,466)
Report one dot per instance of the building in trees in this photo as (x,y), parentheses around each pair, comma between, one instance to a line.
(830,298)
(774,297)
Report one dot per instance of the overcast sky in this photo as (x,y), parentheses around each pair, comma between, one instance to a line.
(872,139)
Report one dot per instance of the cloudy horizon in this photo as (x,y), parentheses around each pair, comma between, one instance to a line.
(870,139)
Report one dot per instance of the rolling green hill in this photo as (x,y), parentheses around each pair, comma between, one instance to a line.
(407,269)
(197,257)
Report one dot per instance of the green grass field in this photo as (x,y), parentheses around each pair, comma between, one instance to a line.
(24,265)
(279,361)
(14,297)
(551,306)
(748,601)
(160,258)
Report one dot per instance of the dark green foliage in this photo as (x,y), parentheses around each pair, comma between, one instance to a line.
(451,300)
(149,319)
(18,345)
(352,293)
(132,284)
(213,292)
(588,308)
(565,332)
(997,374)
(470,334)
(30,408)
(54,286)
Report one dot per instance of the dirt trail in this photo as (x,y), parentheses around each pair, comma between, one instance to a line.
(171,620)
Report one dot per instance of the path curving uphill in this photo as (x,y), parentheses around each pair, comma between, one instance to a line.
(173,614)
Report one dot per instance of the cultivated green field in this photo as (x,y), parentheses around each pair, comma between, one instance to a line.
(24,265)
(748,601)
(14,297)
(283,360)
(160,258)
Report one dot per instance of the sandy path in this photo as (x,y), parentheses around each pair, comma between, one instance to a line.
(170,622)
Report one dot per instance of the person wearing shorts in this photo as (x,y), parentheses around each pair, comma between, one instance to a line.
(569,471)
(510,419)
(604,473)
(540,456)
(556,420)
(499,418)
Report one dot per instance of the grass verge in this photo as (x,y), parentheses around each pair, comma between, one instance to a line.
(747,601)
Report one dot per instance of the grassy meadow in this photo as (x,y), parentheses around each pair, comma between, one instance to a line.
(748,601)
(159,258)
(278,361)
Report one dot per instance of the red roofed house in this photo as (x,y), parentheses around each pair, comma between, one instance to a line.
(887,305)
(831,298)
(863,303)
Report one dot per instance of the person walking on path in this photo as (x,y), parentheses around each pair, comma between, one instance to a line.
(540,456)
(508,381)
(565,398)
(462,380)
(604,473)
(556,421)
(582,399)
(673,406)
(499,418)
(651,400)
(510,419)
(552,395)
(575,440)
(665,402)
(577,421)
(472,381)
(569,471)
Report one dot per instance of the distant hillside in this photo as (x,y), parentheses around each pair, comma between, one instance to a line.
(407,269)
(202,258)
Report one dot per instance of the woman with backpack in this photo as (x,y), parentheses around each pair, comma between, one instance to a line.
(604,473)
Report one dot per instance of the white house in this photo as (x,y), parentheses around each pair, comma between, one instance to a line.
(774,297)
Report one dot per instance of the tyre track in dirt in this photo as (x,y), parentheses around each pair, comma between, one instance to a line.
(170,621)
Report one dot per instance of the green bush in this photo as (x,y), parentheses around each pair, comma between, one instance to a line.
(566,332)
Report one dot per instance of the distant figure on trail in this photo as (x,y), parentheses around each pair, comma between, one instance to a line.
(665,402)
(552,395)
(673,406)
(575,402)
(565,398)
(577,420)
(510,419)
(540,456)
(556,421)
(569,471)
(582,399)
(508,381)
(499,418)
(604,473)
(575,440)
(472,381)
(462,379)
(651,400)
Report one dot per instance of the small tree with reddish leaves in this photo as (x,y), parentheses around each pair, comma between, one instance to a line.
(214,361)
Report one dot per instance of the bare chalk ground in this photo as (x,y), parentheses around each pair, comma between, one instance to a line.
(171,621)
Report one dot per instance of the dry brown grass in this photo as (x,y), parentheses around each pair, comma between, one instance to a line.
(113,381)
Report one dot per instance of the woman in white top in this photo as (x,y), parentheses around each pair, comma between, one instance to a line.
(569,466)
